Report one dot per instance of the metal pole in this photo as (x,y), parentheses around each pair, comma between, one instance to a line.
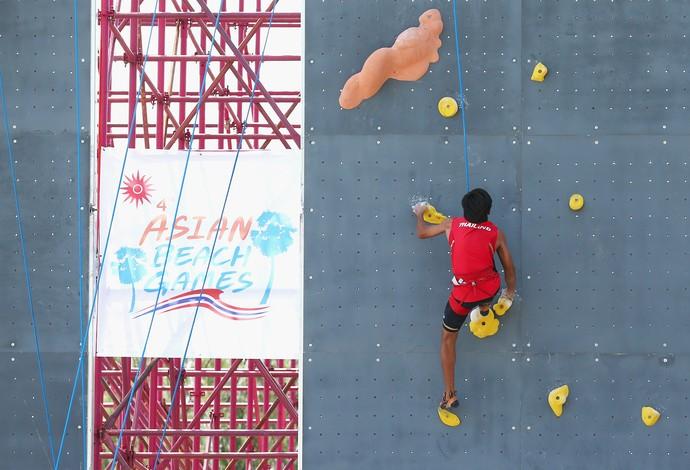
(160,78)
(134,59)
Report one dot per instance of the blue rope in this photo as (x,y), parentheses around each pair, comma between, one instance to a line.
(215,238)
(27,278)
(125,414)
(99,276)
(80,253)
(462,96)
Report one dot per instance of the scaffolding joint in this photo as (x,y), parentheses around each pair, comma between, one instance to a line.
(106,16)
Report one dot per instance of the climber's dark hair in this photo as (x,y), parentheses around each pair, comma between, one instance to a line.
(477,205)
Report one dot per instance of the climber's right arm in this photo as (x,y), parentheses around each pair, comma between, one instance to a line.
(425,230)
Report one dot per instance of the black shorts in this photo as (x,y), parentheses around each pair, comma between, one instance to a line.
(453,322)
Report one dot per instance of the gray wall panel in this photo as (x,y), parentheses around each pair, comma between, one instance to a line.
(603,292)
(382,405)
(601,426)
(37,60)
(617,272)
(491,62)
(619,67)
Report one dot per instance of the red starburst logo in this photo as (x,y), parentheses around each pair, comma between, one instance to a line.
(137,189)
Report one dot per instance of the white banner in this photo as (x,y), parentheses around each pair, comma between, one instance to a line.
(251,301)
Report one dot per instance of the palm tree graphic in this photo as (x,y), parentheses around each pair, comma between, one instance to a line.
(273,237)
(130,268)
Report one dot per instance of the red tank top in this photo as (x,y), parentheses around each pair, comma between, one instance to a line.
(472,248)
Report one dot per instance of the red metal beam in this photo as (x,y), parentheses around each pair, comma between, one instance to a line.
(225,17)
(139,68)
(142,442)
(206,432)
(123,404)
(168,99)
(215,58)
(276,388)
(207,135)
(225,36)
(215,81)
(292,107)
(211,455)
(224,99)
(205,406)
(211,88)
(263,420)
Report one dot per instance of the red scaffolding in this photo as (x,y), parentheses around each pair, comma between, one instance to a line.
(228,413)
(174,70)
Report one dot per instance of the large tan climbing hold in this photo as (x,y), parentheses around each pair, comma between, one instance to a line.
(650,416)
(408,59)
(557,398)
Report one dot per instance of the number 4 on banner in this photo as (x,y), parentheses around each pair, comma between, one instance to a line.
(161,205)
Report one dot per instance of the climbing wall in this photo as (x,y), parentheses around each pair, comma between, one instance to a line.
(37,63)
(603,292)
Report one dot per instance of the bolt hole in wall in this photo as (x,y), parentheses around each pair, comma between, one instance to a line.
(599,286)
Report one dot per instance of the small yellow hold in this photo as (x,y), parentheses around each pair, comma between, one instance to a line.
(432,216)
(540,72)
(577,202)
(503,305)
(448,107)
(483,325)
(650,416)
(557,398)
(448,418)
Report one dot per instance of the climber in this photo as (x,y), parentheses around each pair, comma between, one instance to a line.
(473,242)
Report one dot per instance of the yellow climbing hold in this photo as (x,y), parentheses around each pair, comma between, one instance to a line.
(483,325)
(557,398)
(448,107)
(539,73)
(504,303)
(448,418)
(650,416)
(432,216)
(577,201)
